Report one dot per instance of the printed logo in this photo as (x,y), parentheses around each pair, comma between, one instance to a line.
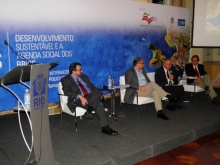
(172,20)
(181,22)
(146,17)
(39,85)
(39,91)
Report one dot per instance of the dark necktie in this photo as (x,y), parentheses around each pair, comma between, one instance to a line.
(169,82)
(84,91)
(196,72)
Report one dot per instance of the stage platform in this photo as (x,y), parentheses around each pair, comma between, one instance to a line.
(138,139)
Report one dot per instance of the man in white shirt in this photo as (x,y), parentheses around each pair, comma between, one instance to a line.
(166,76)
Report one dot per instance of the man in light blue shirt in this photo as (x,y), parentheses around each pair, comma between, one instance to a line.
(136,78)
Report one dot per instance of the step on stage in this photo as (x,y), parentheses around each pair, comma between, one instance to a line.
(138,139)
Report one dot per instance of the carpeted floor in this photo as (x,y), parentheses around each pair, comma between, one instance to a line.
(138,139)
(203,151)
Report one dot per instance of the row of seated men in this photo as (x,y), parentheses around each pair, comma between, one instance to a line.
(81,91)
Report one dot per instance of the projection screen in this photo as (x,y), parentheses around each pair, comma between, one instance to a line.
(206,23)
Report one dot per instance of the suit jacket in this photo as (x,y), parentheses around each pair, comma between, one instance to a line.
(178,71)
(191,72)
(132,80)
(70,87)
(160,76)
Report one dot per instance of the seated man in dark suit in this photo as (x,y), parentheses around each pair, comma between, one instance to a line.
(178,69)
(77,86)
(166,76)
(197,70)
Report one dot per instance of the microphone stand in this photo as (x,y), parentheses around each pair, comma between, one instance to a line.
(17,54)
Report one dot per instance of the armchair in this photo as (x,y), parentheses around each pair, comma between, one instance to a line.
(79,112)
(192,88)
(137,100)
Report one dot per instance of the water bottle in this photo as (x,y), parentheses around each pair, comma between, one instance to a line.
(113,82)
(184,74)
(109,82)
(27,99)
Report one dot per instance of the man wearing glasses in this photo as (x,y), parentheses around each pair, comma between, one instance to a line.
(197,70)
(136,78)
(77,86)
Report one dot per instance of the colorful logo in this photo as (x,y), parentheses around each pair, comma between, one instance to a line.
(146,17)
(181,22)
(172,20)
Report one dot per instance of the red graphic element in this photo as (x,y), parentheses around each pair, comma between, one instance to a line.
(146,18)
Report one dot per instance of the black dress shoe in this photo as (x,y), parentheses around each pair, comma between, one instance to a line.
(90,110)
(109,131)
(161,115)
(215,101)
(170,107)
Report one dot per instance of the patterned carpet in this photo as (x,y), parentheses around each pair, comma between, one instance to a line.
(203,151)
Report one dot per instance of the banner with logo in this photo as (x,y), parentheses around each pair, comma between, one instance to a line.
(104,36)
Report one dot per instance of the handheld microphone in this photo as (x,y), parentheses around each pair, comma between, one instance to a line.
(6,42)
(171,82)
(179,78)
(16,53)
(170,71)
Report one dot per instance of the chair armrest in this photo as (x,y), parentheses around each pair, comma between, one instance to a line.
(66,96)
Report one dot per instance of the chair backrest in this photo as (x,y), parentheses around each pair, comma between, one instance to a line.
(122,91)
(63,100)
(150,75)
(63,103)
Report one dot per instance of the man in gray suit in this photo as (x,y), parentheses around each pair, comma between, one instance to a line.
(137,78)
(79,88)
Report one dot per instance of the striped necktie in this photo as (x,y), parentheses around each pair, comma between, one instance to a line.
(83,89)
(196,72)
(169,82)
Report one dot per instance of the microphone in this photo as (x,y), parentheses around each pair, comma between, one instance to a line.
(179,78)
(16,53)
(6,42)
(168,75)
(170,71)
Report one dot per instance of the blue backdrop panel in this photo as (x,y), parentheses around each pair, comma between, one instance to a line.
(103,47)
